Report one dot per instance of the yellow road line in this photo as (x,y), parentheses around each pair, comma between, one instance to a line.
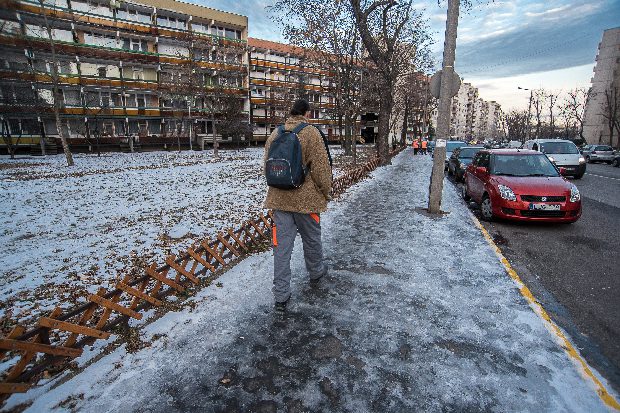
(585,370)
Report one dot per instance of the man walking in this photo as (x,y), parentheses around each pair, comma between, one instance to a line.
(298,209)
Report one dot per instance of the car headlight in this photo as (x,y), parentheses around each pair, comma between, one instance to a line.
(574,194)
(506,193)
(582,159)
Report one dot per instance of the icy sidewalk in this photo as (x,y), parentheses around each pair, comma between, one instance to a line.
(416,314)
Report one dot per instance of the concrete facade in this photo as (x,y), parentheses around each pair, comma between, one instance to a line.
(606,78)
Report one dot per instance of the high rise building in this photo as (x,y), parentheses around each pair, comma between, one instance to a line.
(604,84)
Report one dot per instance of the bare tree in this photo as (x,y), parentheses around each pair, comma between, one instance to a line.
(56,92)
(538,103)
(333,44)
(11,140)
(395,38)
(573,108)
(516,124)
(611,113)
(552,100)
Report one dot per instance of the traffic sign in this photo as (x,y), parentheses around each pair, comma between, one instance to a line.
(436,84)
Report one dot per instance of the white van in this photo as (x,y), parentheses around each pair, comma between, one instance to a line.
(563,153)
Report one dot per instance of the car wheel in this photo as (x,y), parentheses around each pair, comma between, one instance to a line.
(486,208)
(588,159)
(616,163)
(449,171)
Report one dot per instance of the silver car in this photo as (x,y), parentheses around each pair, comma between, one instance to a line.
(598,153)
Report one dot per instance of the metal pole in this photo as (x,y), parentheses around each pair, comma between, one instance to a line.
(529,116)
(445,99)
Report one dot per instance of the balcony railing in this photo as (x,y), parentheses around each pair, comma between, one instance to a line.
(147,26)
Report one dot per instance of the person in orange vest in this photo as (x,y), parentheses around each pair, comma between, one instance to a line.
(415,146)
(424,145)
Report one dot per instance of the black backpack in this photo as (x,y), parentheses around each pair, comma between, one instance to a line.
(284,168)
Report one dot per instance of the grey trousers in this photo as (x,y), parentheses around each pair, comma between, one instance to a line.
(286,226)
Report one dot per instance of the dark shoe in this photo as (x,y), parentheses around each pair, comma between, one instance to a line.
(280,307)
(316,280)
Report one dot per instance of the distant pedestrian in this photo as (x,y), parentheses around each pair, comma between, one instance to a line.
(297,207)
(424,145)
(416,146)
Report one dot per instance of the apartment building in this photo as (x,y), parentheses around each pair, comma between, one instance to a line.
(279,73)
(121,68)
(472,117)
(606,79)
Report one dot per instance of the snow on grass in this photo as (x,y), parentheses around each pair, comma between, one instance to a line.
(68,231)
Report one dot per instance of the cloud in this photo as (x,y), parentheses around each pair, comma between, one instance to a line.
(535,46)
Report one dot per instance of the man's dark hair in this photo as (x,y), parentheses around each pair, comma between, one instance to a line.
(300,107)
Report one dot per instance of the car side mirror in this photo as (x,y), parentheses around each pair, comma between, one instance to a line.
(481,169)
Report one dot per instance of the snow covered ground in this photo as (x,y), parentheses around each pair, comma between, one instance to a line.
(68,231)
(416,314)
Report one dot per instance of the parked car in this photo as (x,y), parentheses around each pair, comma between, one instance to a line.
(563,153)
(450,147)
(598,153)
(520,185)
(460,158)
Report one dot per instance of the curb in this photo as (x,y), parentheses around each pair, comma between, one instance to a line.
(582,366)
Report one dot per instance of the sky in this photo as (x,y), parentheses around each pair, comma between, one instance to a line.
(501,44)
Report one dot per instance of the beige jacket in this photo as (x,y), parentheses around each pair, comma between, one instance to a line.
(313,194)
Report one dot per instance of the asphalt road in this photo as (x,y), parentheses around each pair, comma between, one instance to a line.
(574,270)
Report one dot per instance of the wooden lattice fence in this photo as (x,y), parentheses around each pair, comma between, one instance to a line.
(59,337)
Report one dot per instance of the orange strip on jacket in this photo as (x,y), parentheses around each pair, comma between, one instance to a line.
(316,218)
(274,236)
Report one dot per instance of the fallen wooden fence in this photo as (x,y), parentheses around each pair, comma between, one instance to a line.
(37,350)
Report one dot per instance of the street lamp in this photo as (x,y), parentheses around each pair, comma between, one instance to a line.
(529,112)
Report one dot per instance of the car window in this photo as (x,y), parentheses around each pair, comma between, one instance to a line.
(558,148)
(535,147)
(450,146)
(604,148)
(523,165)
(484,160)
(467,152)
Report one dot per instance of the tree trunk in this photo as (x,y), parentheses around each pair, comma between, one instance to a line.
(56,93)
(354,144)
(215,143)
(383,147)
(42,140)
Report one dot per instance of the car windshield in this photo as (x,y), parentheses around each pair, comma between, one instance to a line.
(522,165)
(451,146)
(558,148)
(604,148)
(468,152)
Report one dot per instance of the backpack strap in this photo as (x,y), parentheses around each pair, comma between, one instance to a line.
(299,128)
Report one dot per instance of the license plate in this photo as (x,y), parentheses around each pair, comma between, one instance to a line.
(545,207)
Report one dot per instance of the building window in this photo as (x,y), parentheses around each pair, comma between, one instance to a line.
(105,100)
(137,45)
(141,100)
(102,71)
(138,73)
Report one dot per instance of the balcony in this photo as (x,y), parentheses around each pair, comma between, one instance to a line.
(72,15)
(109,53)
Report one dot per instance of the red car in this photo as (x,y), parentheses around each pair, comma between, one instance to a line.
(520,185)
